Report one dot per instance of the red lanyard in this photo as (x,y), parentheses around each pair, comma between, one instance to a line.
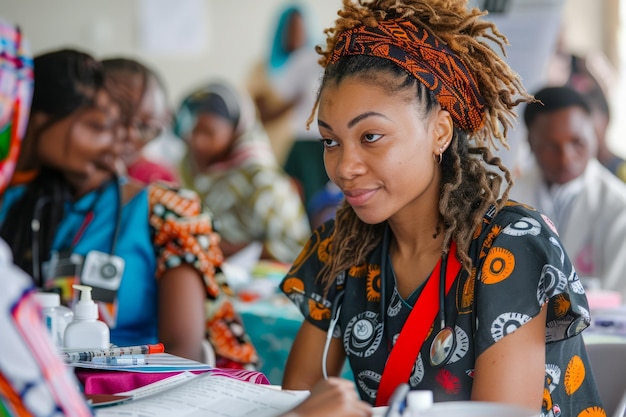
(88,218)
(413,335)
(81,229)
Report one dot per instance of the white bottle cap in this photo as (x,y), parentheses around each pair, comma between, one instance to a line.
(48,299)
(419,400)
(85,308)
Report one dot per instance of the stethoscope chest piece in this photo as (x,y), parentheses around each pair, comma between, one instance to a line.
(442,346)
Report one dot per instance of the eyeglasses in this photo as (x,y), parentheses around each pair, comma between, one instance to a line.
(147,131)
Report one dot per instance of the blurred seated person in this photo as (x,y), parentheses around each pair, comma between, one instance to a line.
(601,115)
(141,93)
(592,76)
(281,83)
(77,211)
(33,380)
(586,203)
(230,164)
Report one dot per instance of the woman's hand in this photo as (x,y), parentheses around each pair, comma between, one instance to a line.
(333,397)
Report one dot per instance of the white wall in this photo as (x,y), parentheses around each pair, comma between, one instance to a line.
(238,32)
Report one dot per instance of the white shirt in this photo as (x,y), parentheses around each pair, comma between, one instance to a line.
(593,221)
(300,78)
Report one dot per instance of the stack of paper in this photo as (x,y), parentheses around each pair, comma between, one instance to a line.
(205,395)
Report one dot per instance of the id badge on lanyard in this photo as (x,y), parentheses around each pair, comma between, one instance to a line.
(100,270)
(61,272)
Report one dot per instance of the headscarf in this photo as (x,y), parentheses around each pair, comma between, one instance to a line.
(278,55)
(16,87)
(251,142)
(418,51)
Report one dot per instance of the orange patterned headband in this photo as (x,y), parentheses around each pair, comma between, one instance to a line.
(424,56)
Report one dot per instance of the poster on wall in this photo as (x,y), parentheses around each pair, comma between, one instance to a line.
(173,27)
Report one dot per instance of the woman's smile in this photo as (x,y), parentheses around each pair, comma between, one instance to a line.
(359,197)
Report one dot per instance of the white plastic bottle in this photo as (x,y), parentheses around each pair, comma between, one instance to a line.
(86,331)
(55,316)
(418,403)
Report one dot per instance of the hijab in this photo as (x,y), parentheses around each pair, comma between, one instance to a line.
(279,55)
(251,143)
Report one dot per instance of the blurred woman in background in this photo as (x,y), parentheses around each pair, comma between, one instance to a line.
(145,114)
(231,165)
(275,96)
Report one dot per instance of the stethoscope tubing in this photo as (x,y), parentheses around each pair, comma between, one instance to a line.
(336,308)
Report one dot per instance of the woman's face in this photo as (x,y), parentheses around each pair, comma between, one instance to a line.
(148,121)
(295,36)
(84,145)
(211,139)
(378,149)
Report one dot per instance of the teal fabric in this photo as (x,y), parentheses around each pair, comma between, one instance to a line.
(305,164)
(272,325)
(137,309)
(137,296)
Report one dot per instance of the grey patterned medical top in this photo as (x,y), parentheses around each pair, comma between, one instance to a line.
(519,264)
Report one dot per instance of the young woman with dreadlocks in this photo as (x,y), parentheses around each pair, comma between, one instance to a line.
(429,275)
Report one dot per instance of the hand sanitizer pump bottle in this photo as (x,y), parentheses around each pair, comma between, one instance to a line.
(86,331)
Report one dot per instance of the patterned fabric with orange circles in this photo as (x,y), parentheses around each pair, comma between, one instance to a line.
(519,267)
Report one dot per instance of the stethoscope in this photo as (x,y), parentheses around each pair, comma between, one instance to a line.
(335,312)
(36,226)
(444,343)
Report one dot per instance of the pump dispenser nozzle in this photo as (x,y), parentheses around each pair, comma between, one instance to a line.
(85,308)
(86,331)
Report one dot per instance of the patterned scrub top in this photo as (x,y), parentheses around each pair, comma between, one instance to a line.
(161,227)
(518,265)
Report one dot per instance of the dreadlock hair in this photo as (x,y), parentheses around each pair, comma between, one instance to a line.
(66,82)
(468,186)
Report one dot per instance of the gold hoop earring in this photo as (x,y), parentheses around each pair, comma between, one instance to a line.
(440,154)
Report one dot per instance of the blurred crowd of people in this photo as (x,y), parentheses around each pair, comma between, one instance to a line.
(90,188)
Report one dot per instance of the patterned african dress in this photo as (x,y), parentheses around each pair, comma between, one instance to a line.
(519,265)
(160,227)
(34,381)
(253,200)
